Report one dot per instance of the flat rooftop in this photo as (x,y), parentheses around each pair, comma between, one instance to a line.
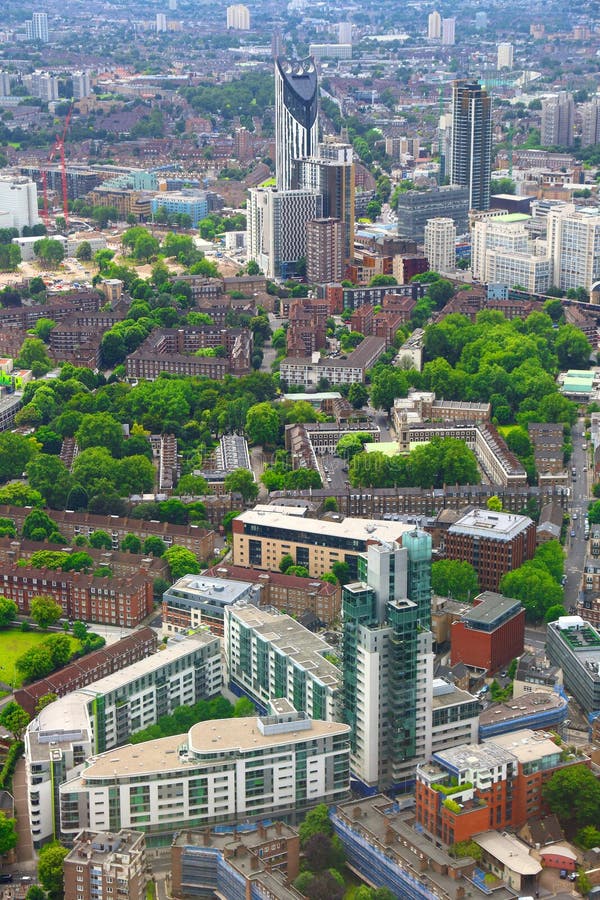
(493,607)
(301,645)
(486,523)
(216,737)
(447,694)
(508,850)
(221,840)
(525,705)
(527,745)
(348,527)
(475,756)
(204,587)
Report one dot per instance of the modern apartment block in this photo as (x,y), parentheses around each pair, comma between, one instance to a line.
(558,119)
(493,542)
(103,715)
(503,253)
(574,645)
(262,537)
(415,208)
(238,17)
(196,601)
(471,162)
(590,122)
(296,116)
(18,202)
(574,245)
(276,228)
(221,771)
(346,369)
(388,661)
(493,785)
(270,655)
(440,244)
(489,634)
(324,247)
(102,864)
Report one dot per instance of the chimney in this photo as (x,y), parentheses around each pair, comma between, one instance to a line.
(206,837)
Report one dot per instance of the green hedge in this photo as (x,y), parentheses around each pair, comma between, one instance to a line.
(15,751)
(447,791)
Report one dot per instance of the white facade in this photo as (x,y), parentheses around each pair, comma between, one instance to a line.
(590,122)
(434,26)
(344,32)
(238,17)
(497,234)
(18,198)
(505,55)
(104,714)
(82,86)
(531,272)
(43,85)
(276,228)
(37,28)
(228,770)
(440,244)
(331,51)
(296,119)
(4,84)
(448,31)
(573,242)
(161,22)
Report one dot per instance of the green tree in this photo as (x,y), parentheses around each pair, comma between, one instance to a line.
(33,355)
(38,526)
(243,708)
(35,892)
(50,476)
(241,481)
(552,555)
(16,450)
(101,540)
(8,611)
(8,831)
(262,424)
(330,504)
(315,822)
(383,281)
(535,587)
(50,869)
(43,327)
(84,252)
(49,251)
(286,562)
(181,562)
(573,794)
(454,578)
(588,837)
(572,348)
(494,503)
(35,663)
(341,570)
(100,430)
(155,546)
(135,475)
(59,646)
(15,719)
(44,611)
(387,384)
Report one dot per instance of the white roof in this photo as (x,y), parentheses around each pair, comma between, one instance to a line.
(352,528)
(512,853)
(560,850)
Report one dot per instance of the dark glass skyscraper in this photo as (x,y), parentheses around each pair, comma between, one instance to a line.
(471,161)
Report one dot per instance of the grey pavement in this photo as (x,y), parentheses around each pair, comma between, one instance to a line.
(26,861)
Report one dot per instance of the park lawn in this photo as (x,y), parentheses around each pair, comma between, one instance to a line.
(14,643)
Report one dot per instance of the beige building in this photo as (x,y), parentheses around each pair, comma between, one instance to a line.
(440,244)
(261,538)
(104,864)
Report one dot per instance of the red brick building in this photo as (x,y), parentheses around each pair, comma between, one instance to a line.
(490,634)
(108,601)
(493,542)
(90,668)
(494,785)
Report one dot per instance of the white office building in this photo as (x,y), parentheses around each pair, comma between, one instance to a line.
(440,244)
(573,239)
(344,33)
(238,17)
(268,655)
(434,26)
(18,201)
(505,55)
(222,771)
(276,228)
(506,233)
(448,32)
(103,715)
(37,28)
(525,270)
(161,23)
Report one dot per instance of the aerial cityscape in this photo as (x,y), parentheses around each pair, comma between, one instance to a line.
(299,450)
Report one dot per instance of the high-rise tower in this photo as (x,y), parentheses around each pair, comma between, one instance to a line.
(388,661)
(296,116)
(472,141)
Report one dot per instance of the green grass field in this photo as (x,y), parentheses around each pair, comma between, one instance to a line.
(14,643)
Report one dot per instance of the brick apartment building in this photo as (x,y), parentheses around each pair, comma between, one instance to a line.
(88,598)
(489,634)
(122,565)
(73,523)
(90,668)
(493,785)
(105,864)
(493,542)
(288,593)
(172,350)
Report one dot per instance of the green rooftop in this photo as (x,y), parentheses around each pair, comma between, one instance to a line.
(512,217)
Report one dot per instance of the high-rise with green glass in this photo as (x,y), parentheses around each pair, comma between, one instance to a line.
(388,662)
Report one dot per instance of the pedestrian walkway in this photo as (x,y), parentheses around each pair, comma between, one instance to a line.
(25,853)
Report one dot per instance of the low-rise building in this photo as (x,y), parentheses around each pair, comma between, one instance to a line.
(200,600)
(270,655)
(105,864)
(236,863)
(103,715)
(290,594)
(176,351)
(454,715)
(536,674)
(489,634)
(221,771)
(574,646)
(538,710)
(345,369)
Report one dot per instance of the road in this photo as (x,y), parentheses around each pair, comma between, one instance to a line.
(576,546)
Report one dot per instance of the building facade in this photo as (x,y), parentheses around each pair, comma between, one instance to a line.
(440,244)
(296,116)
(558,119)
(18,199)
(276,229)
(226,770)
(198,600)
(574,245)
(103,864)
(490,634)
(574,645)
(415,208)
(494,543)
(270,655)
(471,160)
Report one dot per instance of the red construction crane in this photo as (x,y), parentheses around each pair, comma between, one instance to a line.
(59,147)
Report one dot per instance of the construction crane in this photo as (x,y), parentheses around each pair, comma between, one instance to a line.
(59,147)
